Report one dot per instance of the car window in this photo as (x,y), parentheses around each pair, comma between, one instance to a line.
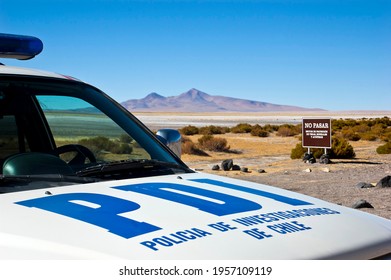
(74,121)
(57,132)
(11,139)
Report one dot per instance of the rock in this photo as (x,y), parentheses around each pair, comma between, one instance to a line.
(244,169)
(327,170)
(308,170)
(215,167)
(384,182)
(309,158)
(261,171)
(235,167)
(362,204)
(324,159)
(227,164)
(363,185)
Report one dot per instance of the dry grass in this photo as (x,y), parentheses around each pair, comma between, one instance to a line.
(247,146)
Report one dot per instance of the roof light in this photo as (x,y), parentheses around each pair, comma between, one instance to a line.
(19,46)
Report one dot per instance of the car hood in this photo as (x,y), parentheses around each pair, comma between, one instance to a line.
(192,216)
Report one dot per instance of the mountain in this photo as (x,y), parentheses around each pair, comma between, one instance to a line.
(198,101)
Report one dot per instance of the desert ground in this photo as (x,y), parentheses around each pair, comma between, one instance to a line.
(335,182)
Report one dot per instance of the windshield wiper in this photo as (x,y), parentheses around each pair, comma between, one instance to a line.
(129,166)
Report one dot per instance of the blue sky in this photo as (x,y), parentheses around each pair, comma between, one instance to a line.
(334,55)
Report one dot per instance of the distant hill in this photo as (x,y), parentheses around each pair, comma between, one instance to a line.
(198,101)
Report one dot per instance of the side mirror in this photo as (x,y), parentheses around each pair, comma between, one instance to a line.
(172,138)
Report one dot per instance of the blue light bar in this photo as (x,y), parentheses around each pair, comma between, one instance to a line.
(19,46)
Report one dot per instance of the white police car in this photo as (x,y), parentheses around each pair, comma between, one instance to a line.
(82,178)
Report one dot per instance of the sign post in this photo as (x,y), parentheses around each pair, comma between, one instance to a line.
(316,134)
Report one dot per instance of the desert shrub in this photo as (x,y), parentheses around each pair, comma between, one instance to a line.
(378,129)
(212,129)
(298,128)
(376,125)
(341,148)
(349,134)
(349,122)
(284,131)
(271,128)
(384,149)
(125,138)
(287,130)
(369,136)
(259,131)
(381,131)
(385,121)
(211,143)
(190,148)
(298,151)
(121,148)
(241,128)
(354,137)
(386,136)
(100,144)
(317,152)
(337,124)
(361,128)
(189,130)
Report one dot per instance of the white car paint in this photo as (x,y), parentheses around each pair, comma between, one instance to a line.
(182,231)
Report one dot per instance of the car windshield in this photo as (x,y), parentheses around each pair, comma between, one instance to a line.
(66,132)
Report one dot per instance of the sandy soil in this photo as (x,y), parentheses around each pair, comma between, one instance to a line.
(335,182)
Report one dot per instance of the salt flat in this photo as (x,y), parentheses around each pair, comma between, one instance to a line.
(156,120)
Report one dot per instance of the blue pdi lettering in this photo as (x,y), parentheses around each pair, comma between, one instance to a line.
(277,197)
(229,204)
(105,216)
